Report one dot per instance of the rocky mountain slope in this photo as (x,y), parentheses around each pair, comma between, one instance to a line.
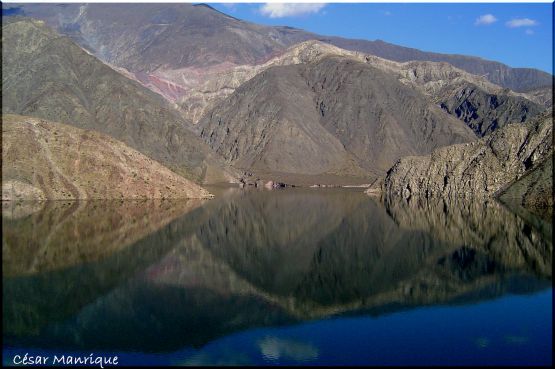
(481,104)
(205,84)
(477,169)
(335,115)
(171,36)
(485,112)
(43,160)
(541,95)
(168,37)
(48,76)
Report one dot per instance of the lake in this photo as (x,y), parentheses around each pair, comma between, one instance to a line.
(292,276)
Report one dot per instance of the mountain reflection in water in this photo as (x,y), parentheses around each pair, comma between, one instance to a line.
(163,276)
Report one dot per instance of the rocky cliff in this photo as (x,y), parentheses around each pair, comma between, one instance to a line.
(195,56)
(476,169)
(43,160)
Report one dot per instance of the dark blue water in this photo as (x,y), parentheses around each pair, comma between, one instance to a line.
(508,331)
(323,277)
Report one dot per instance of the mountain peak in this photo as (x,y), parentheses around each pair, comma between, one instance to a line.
(205,6)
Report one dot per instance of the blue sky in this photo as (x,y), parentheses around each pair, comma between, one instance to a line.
(519,35)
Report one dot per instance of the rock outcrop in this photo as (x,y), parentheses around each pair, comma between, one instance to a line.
(534,190)
(196,90)
(43,160)
(480,104)
(477,169)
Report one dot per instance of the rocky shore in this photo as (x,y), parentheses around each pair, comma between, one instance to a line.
(480,169)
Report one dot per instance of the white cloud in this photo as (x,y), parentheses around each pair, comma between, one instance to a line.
(521,22)
(485,19)
(277,10)
(387,13)
(529,32)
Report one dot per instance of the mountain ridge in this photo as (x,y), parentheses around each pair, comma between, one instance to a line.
(444,84)
(252,43)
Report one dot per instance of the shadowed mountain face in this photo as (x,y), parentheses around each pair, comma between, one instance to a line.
(48,76)
(174,36)
(256,259)
(482,105)
(335,116)
(485,112)
(196,57)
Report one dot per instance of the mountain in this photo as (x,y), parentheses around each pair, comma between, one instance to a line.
(481,104)
(335,115)
(48,76)
(479,169)
(169,37)
(541,95)
(517,79)
(174,51)
(43,160)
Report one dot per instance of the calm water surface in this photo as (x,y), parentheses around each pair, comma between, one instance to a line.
(278,277)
